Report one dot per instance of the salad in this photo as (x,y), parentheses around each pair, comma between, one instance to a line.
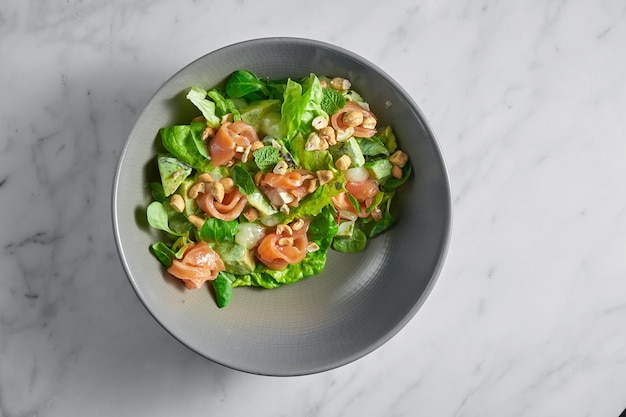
(269,177)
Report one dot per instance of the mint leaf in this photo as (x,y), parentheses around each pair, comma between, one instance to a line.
(332,101)
(243,180)
(266,157)
(217,230)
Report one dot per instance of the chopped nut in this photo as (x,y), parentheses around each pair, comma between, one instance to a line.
(297,225)
(258,177)
(196,221)
(275,144)
(315,143)
(341,84)
(284,209)
(312,186)
(207,133)
(286,197)
(328,134)
(239,149)
(369,122)
(228,184)
(217,191)
(280,168)
(205,177)
(251,214)
(344,135)
(352,118)
(319,122)
(325,176)
(399,158)
(177,203)
(343,163)
(257,144)
(246,154)
(285,241)
(227,118)
(396,171)
(312,247)
(196,189)
(284,229)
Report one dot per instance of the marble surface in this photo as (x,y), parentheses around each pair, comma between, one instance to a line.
(528,100)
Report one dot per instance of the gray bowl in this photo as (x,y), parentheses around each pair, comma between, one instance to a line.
(322,322)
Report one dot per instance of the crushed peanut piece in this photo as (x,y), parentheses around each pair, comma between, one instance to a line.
(341,84)
(285,241)
(312,247)
(312,186)
(297,225)
(205,177)
(319,122)
(328,134)
(352,118)
(196,189)
(315,143)
(344,135)
(207,133)
(399,158)
(396,171)
(228,184)
(251,214)
(284,229)
(343,163)
(257,144)
(196,221)
(217,191)
(280,168)
(177,203)
(369,122)
(325,176)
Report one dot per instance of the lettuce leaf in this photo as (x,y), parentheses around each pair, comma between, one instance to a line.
(186,144)
(197,95)
(301,103)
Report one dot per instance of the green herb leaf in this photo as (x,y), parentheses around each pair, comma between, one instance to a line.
(243,180)
(224,105)
(157,217)
(266,157)
(332,101)
(243,83)
(185,143)
(373,147)
(223,289)
(388,139)
(353,244)
(392,182)
(217,230)
(163,253)
(197,96)
(355,202)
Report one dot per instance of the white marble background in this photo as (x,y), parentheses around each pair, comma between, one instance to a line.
(529,102)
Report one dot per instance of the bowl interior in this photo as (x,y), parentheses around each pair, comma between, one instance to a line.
(361,300)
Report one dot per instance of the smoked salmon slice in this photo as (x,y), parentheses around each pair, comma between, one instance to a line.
(336,120)
(364,192)
(228,209)
(278,250)
(200,263)
(230,136)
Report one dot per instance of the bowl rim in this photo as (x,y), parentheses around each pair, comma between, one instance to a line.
(445,239)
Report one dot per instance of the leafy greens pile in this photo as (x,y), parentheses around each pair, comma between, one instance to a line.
(281,112)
